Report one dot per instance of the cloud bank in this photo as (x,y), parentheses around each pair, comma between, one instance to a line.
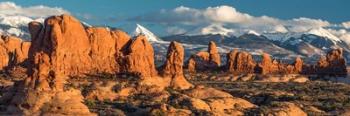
(229,16)
(14,19)
(10,9)
(228,21)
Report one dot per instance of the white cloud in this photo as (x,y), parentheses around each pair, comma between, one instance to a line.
(341,34)
(230,18)
(10,9)
(14,18)
(346,24)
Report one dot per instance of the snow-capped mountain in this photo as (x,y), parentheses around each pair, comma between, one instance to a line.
(16,25)
(142,30)
(311,43)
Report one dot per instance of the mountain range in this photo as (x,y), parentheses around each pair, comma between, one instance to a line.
(311,43)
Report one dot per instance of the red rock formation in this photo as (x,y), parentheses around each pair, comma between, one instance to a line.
(333,64)
(214,55)
(265,64)
(13,52)
(192,64)
(139,58)
(59,41)
(173,66)
(231,60)
(298,65)
(103,50)
(203,61)
(122,40)
(240,62)
(61,49)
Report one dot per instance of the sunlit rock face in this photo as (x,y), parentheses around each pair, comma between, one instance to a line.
(13,52)
(205,60)
(240,62)
(333,64)
(173,66)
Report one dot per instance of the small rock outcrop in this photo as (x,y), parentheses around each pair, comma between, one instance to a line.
(333,64)
(173,66)
(298,65)
(273,66)
(13,52)
(240,62)
(203,61)
(266,64)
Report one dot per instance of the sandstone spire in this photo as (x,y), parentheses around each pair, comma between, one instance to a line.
(214,55)
(266,64)
(173,66)
(298,65)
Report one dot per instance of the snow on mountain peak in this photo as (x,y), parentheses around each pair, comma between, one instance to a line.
(212,29)
(149,35)
(253,32)
(323,33)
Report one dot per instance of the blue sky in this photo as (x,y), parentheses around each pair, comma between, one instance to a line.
(118,13)
(331,10)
